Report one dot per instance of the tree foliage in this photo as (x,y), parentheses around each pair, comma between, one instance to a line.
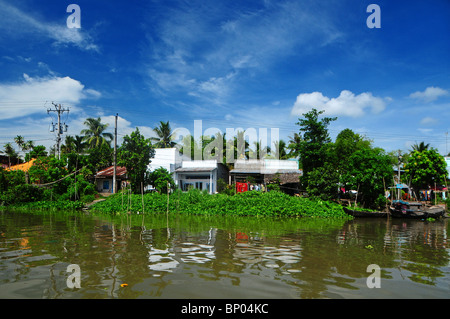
(165,135)
(95,134)
(424,168)
(161,179)
(135,154)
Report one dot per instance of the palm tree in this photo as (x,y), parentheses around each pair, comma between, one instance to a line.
(20,142)
(280,150)
(95,134)
(420,147)
(80,145)
(74,144)
(165,137)
(294,143)
(10,152)
(259,152)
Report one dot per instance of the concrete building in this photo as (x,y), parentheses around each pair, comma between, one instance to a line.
(202,175)
(104,179)
(262,172)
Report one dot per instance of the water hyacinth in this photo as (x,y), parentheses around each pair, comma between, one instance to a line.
(251,203)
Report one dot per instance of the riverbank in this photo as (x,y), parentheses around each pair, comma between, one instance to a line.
(200,203)
(195,202)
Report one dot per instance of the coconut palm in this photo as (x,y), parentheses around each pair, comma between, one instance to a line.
(95,134)
(294,145)
(259,152)
(74,144)
(420,147)
(165,137)
(19,141)
(10,152)
(280,150)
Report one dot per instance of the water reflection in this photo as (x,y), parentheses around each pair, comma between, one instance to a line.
(219,257)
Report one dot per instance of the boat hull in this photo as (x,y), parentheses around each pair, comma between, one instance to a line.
(431,212)
(359,213)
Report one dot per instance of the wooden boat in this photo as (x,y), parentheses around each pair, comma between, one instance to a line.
(362,213)
(415,210)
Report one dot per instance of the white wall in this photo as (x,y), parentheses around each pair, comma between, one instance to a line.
(193,164)
(168,158)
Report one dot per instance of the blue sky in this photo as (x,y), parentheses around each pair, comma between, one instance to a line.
(231,64)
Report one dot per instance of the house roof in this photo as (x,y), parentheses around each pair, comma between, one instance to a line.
(264,171)
(194,169)
(109,172)
(22,167)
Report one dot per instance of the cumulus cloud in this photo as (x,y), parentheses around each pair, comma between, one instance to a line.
(430,94)
(346,104)
(29,95)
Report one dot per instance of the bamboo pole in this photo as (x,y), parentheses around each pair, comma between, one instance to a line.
(142,193)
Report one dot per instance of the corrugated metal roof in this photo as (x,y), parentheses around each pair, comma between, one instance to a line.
(109,172)
(265,171)
(194,169)
(22,167)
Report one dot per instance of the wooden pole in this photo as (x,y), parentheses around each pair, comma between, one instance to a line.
(386,201)
(168,197)
(142,192)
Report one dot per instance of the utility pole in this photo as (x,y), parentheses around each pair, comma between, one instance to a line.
(59,111)
(398,168)
(446,150)
(115,156)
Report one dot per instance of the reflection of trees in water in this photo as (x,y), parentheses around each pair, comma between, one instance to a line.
(305,255)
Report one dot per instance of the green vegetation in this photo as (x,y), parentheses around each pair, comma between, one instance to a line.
(275,204)
(351,162)
(425,167)
(135,154)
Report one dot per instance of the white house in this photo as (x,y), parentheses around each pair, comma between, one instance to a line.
(202,175)
(168,158)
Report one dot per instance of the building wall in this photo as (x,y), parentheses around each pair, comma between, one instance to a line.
(204,180)
(447,159)
(166,158)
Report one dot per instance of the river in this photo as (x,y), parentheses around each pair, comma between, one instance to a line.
(135,256)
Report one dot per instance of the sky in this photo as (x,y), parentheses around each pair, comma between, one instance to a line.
(229,64)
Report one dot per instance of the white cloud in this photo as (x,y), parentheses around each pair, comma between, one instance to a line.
(430,94)
(15,22)
(194,51)
(346,104)
(30,95)
(428,121)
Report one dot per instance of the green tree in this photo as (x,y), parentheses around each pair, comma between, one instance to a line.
(160,178)
(95,134)
(294,145)
(419,147)
(9,150)
(312,148)
(280,150)
(99,157)
(367,171)
(165,135)
(37,151)
(135,154)
(424,168)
